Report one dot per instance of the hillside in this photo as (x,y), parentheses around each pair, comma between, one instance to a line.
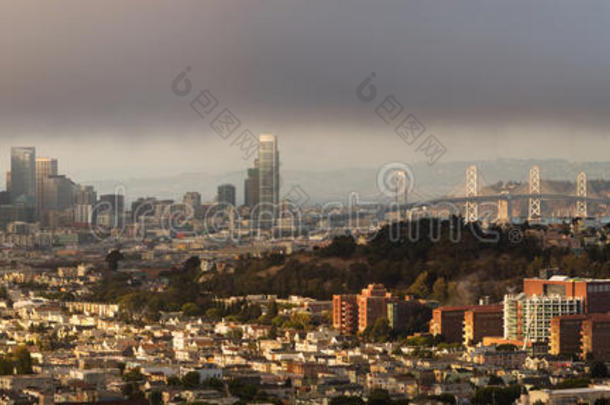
(450,272)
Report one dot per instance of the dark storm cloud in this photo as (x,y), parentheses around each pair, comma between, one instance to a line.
(478,71)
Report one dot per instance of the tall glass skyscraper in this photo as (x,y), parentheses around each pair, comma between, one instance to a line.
(23,175)
(45,167)
(226,195)
(268,177)
(268,170)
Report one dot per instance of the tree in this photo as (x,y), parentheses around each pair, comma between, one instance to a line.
(6,366)
(346,400)
(598,369)
(133,375)
(113,258)
(156,398)
(380,332)
(439,289)
(235,335)
(419,287)
(190,309)
(497,395)
(131,391)
(193,263)
(495,380)
(191,379)
(23,360)
(379,397)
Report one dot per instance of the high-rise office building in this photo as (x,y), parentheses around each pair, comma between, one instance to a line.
(268,165)
(85,198)
(268,170)
(45,167)
(110,210)
(372,305)
(143,207)
(226,194)
(251,188)
(23,175)
(58,193)
(192,198)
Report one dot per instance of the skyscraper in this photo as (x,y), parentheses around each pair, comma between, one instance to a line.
(110,210)
(23,175)
(45,167)
(226,194)
(251,187)
(58,193)
(269,175)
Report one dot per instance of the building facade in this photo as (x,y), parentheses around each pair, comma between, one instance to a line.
(251,188)
(595,335)
(529,318)
(23,175)
(345,313)
(268,179)
(226,195)
(372,305)
(481,321)
(565,335)
(45,167)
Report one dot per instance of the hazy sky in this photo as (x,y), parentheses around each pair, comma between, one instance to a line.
(89,82)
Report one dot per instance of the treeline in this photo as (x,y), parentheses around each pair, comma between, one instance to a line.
(447,261)
(432,265)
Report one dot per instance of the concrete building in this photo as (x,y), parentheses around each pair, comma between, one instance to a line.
(565,335)
(58,193)
(595,293)
(372,305)
(23,175)
(401,312)
(529,317)
(595,335)
(566,396)
(345,313)
(226,195)
(45,167)
(481,321)
(449,322)
(251,188)
(268,165)
(193,199)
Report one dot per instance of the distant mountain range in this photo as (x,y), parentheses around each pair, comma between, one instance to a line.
(336,185)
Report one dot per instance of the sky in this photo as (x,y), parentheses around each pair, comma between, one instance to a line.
(90,82)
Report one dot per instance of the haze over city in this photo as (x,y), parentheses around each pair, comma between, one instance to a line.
(89,83)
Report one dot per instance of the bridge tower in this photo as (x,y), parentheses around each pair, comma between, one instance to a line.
(581,191)
(533,213)
(472,190)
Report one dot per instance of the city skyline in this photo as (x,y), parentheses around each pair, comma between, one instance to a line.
(320,202)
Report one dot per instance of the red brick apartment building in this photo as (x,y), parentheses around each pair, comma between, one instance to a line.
(481,321)
(596,293)
(584,335)
(449,322)
(467,324)
(345,313)
(596,337)
(565,334)
(354,313)
(372,305)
